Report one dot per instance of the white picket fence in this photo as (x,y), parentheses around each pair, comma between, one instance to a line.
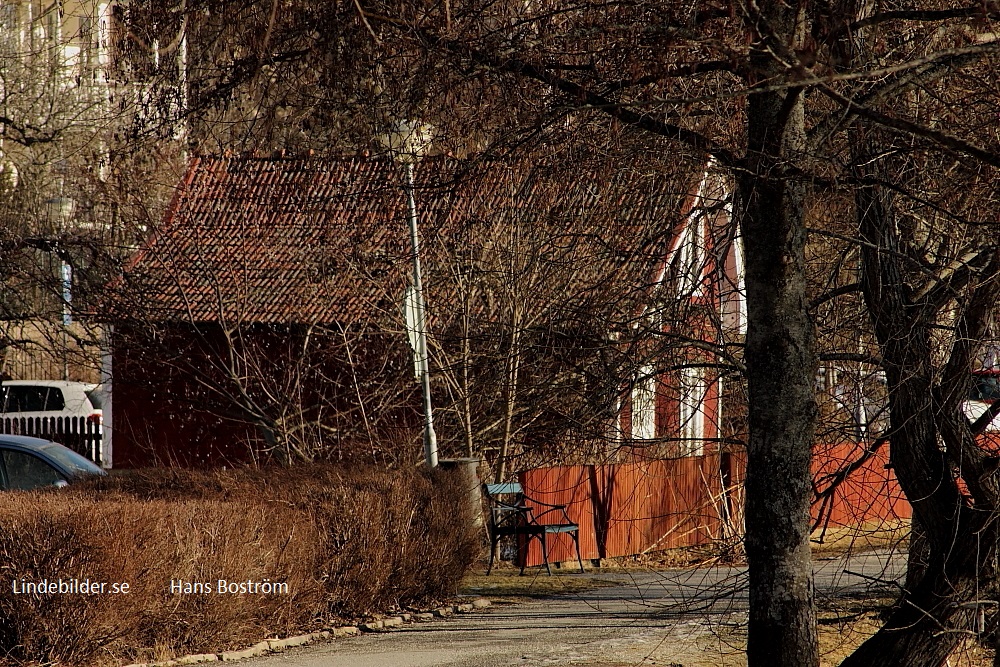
(80,434)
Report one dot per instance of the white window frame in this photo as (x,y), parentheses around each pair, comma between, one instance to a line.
(644,404)
(693,394)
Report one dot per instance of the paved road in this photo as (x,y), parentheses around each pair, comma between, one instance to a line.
(679,617)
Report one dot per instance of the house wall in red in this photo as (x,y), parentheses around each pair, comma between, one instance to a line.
(700,276)
(176,403)
(162,417)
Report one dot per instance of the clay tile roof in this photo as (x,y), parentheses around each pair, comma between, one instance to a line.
(275,241)
(319,240)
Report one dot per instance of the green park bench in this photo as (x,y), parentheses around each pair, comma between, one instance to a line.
(511,513)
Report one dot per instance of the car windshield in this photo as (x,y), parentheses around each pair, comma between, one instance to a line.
(72,461)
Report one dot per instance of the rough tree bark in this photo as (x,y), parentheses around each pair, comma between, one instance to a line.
(938,609)
(780,366)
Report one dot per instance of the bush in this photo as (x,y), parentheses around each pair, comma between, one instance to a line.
(346,542)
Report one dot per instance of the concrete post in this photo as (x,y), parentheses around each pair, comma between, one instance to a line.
(467,475)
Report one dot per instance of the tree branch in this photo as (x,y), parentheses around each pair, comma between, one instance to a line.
(951,278)
(833,294)
(851,356)
(598,102)
(923,16)
(914,129)
(675,73)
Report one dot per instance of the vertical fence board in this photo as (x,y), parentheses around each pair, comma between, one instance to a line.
(631,508)
(868,495)
(78,433)
(564,485)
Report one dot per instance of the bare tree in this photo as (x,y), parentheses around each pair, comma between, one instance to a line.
(796,102)
(535,288)
(65,222)
(802,98)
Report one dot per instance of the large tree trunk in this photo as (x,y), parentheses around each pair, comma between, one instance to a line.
(933,616)
(780,369)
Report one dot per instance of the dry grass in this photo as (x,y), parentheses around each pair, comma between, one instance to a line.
(844,624)
(506,583)
(346,543)
(866,537)
(844,628)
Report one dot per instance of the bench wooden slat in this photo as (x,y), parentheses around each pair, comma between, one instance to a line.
(562,528)
(503,489)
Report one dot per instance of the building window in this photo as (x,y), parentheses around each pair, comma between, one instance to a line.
(691,257)
(644,404)
(693,393)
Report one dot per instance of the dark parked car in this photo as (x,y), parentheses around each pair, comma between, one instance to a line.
(32,463)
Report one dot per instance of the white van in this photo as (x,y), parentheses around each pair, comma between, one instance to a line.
(67,412)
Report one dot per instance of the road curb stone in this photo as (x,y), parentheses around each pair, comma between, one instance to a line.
(277,645)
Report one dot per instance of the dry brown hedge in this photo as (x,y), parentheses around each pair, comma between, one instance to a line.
(348,542)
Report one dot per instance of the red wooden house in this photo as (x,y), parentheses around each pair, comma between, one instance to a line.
(232,323)
(267,303)
(699,281)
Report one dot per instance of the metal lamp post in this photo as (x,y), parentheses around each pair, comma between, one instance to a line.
(407,144)
(61,210)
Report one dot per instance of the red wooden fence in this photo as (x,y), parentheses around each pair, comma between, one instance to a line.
(632,508)
(870,493)
(570,486)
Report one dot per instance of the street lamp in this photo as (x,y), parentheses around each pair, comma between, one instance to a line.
(407,142)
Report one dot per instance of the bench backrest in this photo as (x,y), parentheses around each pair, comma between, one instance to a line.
(502,489)
(505,503)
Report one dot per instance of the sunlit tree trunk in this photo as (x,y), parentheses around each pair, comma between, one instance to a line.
(780,367)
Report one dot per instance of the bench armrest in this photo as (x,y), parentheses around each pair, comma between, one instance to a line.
(539,502)
(551,509)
